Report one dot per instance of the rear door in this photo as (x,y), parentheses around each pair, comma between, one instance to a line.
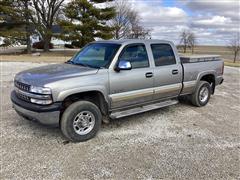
(167,72)
(131,87)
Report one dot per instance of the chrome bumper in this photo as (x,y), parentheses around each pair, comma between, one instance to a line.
(47,118)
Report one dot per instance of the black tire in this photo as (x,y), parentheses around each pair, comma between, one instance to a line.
(69,115)
(195,97)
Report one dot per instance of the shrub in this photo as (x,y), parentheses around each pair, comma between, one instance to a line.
(76,44)
(68,46)
(40,45)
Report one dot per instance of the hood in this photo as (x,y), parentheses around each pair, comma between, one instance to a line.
(46,74)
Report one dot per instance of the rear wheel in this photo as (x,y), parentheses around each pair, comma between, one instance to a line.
(81,121)
(202,94)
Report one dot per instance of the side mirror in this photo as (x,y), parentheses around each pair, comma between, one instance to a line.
(123,65)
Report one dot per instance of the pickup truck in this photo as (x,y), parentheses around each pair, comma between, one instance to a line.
(113,79)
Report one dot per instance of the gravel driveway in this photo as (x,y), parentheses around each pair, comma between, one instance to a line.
(177,142)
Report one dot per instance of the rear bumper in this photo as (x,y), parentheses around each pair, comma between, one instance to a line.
(219,80)
(47,115)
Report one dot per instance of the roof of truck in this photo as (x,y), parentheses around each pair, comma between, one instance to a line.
(126,41)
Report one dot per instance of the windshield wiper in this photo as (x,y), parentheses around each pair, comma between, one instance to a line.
(92,66)
(86,65)
(82,64)
(69,62)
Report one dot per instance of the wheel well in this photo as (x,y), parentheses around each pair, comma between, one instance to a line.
(95,97)
(211,80)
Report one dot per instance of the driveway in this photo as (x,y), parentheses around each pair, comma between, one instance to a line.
(177,142)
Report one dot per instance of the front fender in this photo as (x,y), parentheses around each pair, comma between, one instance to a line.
(64,94)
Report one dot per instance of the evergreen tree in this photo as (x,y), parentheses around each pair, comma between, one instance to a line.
(86,21)
(13,23)
(19,18)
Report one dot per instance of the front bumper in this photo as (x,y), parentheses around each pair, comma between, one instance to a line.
(47,115)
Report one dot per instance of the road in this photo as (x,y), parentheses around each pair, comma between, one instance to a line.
(177,142)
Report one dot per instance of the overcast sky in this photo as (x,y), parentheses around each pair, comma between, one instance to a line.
(213,21)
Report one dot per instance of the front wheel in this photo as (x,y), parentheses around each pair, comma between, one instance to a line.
(81,121)
(202,94)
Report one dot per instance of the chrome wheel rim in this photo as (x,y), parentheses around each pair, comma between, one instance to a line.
(203,94)
(84,122)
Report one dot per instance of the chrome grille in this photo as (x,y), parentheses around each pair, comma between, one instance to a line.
(23,97)
(23,92)
(22,86)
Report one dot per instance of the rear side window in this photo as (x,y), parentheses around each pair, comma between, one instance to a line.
(137,55)
(163,54)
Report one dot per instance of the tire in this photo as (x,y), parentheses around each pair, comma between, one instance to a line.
(77,117)
(199,100)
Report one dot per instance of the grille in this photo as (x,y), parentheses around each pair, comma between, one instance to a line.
(22,86)
(23,97)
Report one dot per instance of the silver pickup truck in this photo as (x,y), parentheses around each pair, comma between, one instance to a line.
(113,79)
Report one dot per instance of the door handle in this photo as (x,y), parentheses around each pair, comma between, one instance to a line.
(175,71)
(149,74)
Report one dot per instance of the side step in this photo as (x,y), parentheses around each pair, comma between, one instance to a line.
(137,110)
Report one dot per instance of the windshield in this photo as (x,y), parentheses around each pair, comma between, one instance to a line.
(96,55)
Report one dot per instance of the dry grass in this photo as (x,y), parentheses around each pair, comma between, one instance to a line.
(223,51)
(63,56)
(37,59)
(229,63)
(59,56)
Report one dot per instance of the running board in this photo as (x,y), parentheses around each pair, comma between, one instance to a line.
(137,110)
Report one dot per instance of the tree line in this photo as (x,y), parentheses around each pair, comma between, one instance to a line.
(80,21)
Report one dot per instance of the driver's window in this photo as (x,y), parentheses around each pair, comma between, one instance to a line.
(136,55)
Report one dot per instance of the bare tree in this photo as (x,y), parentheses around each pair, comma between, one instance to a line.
(187,40)
(184,40)
(234,46)
(126,23)
(44,14)
(191,41)
(121,23)
(138,32)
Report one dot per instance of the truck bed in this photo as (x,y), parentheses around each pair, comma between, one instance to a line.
(198,58)
(196,65)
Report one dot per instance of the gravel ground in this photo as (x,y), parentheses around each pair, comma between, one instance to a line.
(177,142)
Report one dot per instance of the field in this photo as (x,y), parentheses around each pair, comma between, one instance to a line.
(56,55)
(62,55)
(224,52)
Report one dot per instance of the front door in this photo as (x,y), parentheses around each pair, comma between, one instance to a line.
(132,87)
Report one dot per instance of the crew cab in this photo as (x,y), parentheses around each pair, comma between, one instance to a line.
(113,79)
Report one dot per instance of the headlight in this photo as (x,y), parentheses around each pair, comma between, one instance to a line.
(41,101)
(40,90)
